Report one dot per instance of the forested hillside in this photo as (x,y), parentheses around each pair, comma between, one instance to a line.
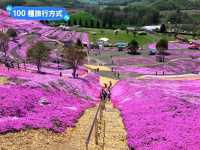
(159,4)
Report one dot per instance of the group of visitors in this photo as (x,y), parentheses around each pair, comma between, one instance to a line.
(106,91)
(163,73)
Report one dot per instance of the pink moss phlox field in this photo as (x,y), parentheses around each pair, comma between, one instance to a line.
(150,60)
(160,114)
(32,100)
(172,45)
(24,27)
(174,67)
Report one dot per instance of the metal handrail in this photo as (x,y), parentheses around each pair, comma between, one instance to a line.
(93,124)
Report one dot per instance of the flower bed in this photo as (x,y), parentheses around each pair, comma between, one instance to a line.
(158,114)
(44,101)
(174,67)
(172,45)
(150,60)
(134,60)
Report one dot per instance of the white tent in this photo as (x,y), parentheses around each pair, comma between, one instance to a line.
(104,39)
(151,28)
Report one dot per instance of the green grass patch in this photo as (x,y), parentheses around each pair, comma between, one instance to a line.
(123,36)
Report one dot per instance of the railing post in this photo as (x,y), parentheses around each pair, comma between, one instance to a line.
(101,110)
(95,125)
(86,146)
(96,132)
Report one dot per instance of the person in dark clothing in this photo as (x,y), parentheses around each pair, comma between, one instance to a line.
(109,94)
(105,85)
(110,85)
(60,74)
(109,90)
(103,94)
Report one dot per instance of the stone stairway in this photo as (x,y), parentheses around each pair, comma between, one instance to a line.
(115,134)
(114,137)
(77,135)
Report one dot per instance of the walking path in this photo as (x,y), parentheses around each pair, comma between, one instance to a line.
(77,135)
(115,134)
(172,77)
(112,138)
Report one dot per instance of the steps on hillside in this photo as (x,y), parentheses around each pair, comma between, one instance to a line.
(113,137)
(78,135)
(115,134)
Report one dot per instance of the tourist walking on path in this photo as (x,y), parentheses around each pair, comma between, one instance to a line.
(106,91)
(103,94)
(109,90)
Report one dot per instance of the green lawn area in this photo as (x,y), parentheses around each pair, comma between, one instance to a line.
(123,36)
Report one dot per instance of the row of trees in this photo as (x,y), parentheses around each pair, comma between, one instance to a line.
(73,55)
(85,23)
(161,46)
(116,16)
(90,23)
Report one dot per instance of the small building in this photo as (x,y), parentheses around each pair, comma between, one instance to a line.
(151,28)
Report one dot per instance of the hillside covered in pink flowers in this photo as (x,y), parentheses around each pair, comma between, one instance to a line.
(159,114)
(31,101)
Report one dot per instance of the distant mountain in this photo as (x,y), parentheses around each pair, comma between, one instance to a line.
(176,4)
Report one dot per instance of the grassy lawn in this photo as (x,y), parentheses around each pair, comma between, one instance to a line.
(123,36)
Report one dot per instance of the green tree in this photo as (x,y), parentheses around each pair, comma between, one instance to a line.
(104,24)
(12,33)
(37,54)
(75,21)
(162,46)
(133,46)
(86,23)
(79,43)
(4,40)
(98,25)
(80,22)
(70,22)
(163,28)
(74,56)
(92,23)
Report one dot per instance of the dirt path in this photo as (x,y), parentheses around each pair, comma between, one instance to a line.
(115,134)
(77,136)
(72,139)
